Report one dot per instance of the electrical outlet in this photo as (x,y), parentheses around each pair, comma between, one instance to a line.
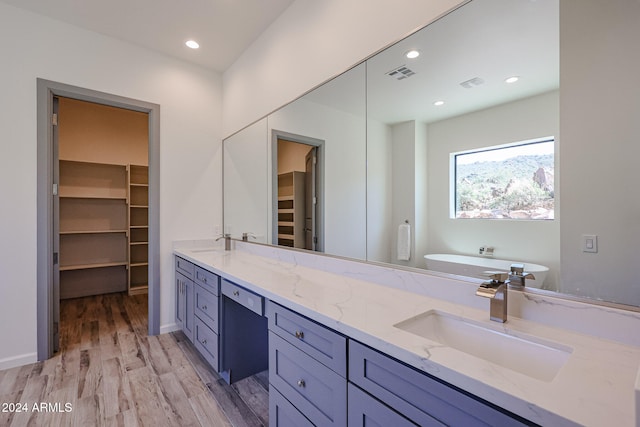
(589,243)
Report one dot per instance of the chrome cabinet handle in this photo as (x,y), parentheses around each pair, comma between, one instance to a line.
(299,334)
(301,383)
(236,293)
(204,342)
(204,307)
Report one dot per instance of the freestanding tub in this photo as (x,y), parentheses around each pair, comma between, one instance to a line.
(473,266)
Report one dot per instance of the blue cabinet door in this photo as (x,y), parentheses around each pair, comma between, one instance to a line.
(180,280)
(184,305)
(187,321)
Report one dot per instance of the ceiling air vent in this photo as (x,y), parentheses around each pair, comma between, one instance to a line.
(471,83)
(401,72)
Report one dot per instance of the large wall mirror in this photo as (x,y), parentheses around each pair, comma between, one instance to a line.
(386,148)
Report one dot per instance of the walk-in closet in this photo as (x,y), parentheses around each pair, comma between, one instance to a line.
(103,199)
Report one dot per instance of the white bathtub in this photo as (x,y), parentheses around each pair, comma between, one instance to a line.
(473,266)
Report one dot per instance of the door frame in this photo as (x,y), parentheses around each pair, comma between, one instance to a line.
(306,140)
(46,90)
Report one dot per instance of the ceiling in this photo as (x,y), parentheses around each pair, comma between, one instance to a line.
(223,28)
(488,39)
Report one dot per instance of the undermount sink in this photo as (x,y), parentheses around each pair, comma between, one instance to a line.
(199,250)
(528,355)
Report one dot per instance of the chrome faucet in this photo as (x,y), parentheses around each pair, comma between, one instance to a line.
(517,276)
(496,290)
(227,241)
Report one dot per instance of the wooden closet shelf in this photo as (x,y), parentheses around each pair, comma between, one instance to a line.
(87,266)
(138,243)
(88,196)
(139,206)
(92,232)
(139,264)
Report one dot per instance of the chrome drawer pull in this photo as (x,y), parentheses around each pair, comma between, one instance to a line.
(301,383)
(236,293)
(204,307)
(204,342)
(299,334)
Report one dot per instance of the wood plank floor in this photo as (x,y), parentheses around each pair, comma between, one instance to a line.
(109,372)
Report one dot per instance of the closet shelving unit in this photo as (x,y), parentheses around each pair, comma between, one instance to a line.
(291,209)
(138,220)
(104,228)
(93,228)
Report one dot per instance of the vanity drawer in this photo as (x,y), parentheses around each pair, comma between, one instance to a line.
(206,307)
(323,344)
(206,341)
(185,267)
(245,298)
(283,414)
(366,411)
(318,392)
(417,395)
(207,279)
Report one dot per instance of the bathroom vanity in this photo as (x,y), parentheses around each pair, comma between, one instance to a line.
(346,351)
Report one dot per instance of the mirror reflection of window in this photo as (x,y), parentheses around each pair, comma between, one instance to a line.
(514,181)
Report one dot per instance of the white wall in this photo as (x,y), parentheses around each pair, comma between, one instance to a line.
(379,195)
(600,128)
(344,137)
(311,42)
(529,241)
(246,177)
(190,118)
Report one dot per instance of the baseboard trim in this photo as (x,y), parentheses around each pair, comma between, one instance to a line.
(20,360)
(172,327)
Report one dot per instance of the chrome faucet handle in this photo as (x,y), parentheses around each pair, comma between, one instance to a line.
(246,235)
(517,276)
(496,276)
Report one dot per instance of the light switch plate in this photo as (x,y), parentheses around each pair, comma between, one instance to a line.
(589,243)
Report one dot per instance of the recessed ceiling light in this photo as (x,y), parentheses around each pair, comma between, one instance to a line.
(412,54)
(438,103)
(511,79)
(192,44)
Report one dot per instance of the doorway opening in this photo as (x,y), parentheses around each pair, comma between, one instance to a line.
(298,190)
(98,202)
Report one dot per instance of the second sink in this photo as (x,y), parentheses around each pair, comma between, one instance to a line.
(531,356)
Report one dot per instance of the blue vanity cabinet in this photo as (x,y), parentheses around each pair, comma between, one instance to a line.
(307,368)
(184,296)
(197,308)
(419,397)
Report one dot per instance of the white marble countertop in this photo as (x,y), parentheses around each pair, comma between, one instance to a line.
(595,387)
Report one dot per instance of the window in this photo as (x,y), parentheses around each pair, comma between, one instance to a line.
(514,181)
